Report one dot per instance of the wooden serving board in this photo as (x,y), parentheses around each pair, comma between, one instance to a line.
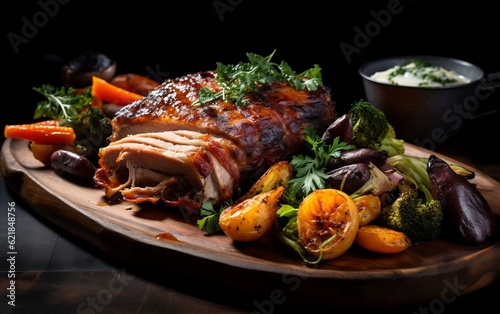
(162,238)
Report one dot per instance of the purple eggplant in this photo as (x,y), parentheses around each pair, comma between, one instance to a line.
(70,165)
(468,217)
(341,127)
(348,178)
(359,155)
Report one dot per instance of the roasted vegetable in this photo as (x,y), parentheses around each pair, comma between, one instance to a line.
(45,132)
(371,129)
(327,223)
(252,218)
(70,165)
(78,72)
(277,175)
(111,93)
(359,155)
(392,145)
(348,178)
(341,128)
(369,207)
(378,183)
(414,212)
(382,240)
(43,152)
(467,215)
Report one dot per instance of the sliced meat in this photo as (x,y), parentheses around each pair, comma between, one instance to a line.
(140,166)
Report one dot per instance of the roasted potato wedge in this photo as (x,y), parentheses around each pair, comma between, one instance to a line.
(252,218)
(277,175)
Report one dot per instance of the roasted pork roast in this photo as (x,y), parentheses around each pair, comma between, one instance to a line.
(169,147)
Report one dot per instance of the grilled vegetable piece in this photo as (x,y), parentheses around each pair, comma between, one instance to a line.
(78,72)
(277,175)
(369,207)
(414,212)
(327,223)
(359,155)
(70,165)
(382,240)
(113,94)
(45,132)
(341,128)
(251,219)
(348,178)
(371,129)
(378,183)
(467,215)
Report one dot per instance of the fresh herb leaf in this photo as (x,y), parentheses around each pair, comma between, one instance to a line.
(209,221)
(310,170)
(240,79)
(90,124)
(62,104)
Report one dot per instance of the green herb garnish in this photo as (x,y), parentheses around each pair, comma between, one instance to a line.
(91,126)
(310,170)
(423,70)
(209,221)
(240,79)
(62,104)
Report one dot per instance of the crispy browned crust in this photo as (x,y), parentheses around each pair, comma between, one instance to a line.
(268,129)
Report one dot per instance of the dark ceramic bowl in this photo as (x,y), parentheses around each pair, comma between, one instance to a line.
(426,113)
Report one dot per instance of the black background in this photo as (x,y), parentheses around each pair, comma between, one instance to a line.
(164,39)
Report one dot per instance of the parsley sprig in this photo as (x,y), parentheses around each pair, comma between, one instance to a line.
(245,77)
(209,221)
(75,110)
(310,169)
(62,104)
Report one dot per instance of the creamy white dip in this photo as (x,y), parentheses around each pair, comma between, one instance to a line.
(418,73)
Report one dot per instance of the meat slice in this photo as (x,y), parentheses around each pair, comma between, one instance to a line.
(140,167)
(169,144)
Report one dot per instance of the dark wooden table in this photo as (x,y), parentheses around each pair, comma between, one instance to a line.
(58,273)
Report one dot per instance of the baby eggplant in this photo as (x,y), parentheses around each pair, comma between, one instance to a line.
(348,178)
(70,165)
(467,215)
(342,127)
(359,155)
(78,72)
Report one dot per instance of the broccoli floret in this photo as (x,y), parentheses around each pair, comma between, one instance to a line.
(392,145)
(414,212)
(371,129)
(417,216)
